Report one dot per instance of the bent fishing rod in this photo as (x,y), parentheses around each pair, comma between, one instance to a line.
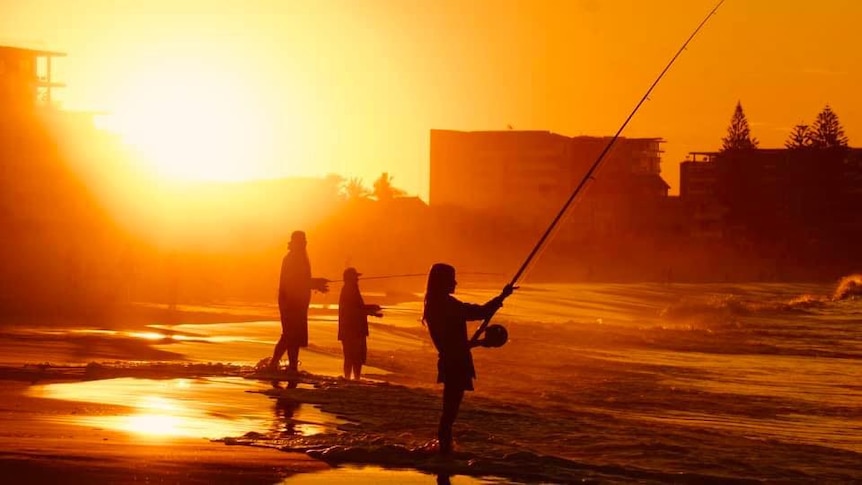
(588,176)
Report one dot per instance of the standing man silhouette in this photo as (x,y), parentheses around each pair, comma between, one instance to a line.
(294,295)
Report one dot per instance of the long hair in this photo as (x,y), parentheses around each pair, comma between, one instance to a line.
(439,281)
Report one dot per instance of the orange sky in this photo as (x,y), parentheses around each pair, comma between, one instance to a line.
(354,86)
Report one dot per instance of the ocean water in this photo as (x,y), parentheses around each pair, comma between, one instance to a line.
(604,383)
(674,383)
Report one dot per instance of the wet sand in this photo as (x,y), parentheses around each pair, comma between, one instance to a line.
(39,444)
(48,437)
(34,448)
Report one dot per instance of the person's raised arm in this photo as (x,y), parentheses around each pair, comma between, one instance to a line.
(482,312)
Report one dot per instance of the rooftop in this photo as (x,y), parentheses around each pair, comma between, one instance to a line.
(5,49)
(539,134)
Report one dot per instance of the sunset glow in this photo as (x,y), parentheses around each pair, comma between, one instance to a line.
(355,87)
(268,241)
(193,122)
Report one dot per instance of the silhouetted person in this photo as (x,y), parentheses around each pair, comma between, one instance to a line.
(446,318)
(353,324)
(294,295)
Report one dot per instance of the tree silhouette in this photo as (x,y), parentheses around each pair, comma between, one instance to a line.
(333,185)
(738,133)
(355,189)
(800,137)
(384,190)
(827,131)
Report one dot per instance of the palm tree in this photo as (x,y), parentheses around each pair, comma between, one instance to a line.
(384,190)
(333,185)
(355,189)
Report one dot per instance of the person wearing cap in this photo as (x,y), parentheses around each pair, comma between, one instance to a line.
(294,295)
(353,323)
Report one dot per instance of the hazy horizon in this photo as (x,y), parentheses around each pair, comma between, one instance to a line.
(354,87)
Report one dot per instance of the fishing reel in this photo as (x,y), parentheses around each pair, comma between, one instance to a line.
(495,336)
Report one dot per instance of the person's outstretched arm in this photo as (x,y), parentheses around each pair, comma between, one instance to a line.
(482,312)
(373,310)
(319,284)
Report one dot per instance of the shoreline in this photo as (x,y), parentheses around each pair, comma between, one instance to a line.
(631,377)
(37,447)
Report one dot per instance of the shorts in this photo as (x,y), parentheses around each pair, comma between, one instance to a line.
(355,350)
(457,372)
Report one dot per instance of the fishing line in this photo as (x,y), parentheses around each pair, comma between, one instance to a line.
(595,165)
(409,275)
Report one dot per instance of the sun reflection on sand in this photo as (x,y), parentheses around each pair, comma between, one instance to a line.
(185,408)
(149,335)
(374,474)
(154,424)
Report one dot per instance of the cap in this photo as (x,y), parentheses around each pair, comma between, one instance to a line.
(351,273)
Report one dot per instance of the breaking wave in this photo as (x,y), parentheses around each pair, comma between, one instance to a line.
(726,310)
(849,287)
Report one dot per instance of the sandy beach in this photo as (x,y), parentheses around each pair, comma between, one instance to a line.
(36,447)
(120,404)
(624,383)
(40,442)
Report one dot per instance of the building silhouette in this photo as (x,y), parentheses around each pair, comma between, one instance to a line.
(797,208)
(763,214)
(26,77)
(528,176)
(57,239)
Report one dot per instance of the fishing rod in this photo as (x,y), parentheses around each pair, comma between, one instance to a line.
(595,165)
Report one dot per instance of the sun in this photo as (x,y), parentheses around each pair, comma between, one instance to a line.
(194,122)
